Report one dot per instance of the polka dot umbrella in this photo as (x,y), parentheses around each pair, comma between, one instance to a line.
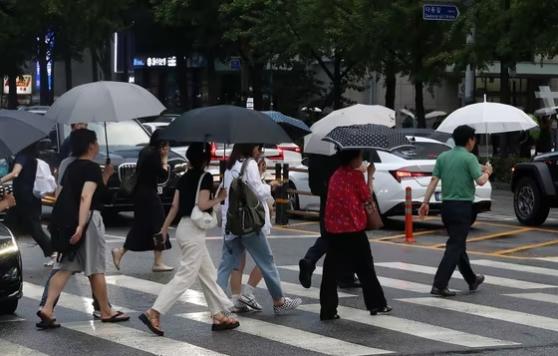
(368,136)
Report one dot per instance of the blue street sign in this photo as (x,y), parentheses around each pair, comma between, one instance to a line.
(440,12)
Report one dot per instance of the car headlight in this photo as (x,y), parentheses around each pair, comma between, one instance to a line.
(8,246)
(11,275)
(180,168)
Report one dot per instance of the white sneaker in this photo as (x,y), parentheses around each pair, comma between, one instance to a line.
(250,300)
(288,305)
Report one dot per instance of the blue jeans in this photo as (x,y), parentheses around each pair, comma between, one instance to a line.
(259,249)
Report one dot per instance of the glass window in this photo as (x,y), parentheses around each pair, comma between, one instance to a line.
(421,150)
(121,135)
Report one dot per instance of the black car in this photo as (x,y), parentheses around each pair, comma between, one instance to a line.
(126,139)
(11,280)
(535,188)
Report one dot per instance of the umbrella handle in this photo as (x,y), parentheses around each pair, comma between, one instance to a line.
(106,145)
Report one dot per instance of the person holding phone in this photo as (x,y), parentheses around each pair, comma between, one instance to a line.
(149,215)
(459,170)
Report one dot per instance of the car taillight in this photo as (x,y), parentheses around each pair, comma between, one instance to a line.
(280,155)
(402,174)
(292,149)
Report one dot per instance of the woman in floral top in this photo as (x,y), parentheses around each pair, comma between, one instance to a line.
(345,222)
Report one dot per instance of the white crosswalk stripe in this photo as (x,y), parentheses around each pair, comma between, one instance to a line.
(10,349)
(295,337)
(510,316)
(539,297)
(516,267)
(497,281)
(415,328)
(384,281)
(138,339)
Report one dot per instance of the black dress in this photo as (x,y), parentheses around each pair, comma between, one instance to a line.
(149,214)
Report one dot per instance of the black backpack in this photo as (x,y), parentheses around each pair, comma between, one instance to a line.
(65,218)
(246,214)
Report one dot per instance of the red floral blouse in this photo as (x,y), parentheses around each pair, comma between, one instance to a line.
(347,193)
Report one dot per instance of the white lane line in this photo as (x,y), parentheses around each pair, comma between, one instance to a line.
(71,301)
(384,281)
(146,286)
(123,335)
(516,267)
(119,238)
(137,339)
(295,337)
(538,297)
(497,281)
(510,316)
(10,349)
(547,259)
(414,328)
(297,289)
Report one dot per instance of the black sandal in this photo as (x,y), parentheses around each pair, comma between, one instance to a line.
(46,322)
(225,325)
(145,319)
(116,318)
(329,317)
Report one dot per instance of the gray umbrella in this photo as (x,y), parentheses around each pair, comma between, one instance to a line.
(225,124)
(19,129)
(369,136)
(104,101)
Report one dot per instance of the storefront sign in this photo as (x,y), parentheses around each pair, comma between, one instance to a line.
(24,85)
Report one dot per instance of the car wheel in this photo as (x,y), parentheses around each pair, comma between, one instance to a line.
(8,307)
(530,207)
(294,202)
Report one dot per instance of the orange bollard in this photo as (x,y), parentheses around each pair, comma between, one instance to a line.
(409,216)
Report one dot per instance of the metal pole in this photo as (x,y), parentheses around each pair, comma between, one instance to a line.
(469,94)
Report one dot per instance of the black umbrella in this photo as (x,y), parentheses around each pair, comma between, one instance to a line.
(19,129)
(225,124)
(367,137)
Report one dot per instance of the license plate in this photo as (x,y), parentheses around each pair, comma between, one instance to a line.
(159,190)
(438,196)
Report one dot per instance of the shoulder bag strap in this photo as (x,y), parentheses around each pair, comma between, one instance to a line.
(243,169)
(199,186)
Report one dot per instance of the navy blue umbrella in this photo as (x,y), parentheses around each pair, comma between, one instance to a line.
(377,137)
(19,129)
(294,127)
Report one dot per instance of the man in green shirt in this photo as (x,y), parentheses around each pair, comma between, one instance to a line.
(458,170)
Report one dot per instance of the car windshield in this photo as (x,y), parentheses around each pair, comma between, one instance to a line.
(121,135)
(421,151)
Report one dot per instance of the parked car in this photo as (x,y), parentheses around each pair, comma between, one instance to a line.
(397,170)
(535,188)
(35,109)
(126,139)
(11,280)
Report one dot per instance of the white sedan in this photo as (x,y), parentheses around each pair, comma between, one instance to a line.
(396,170)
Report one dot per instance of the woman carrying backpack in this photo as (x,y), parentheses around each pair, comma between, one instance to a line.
(27,213)
(256,243)
(192,197)
(242,298)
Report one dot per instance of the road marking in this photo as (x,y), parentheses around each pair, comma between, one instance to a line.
(137,339)
(297,289)
(146,286)
(71,301)
(548,259)
(516,267)
(526,247)
(503,234)
(384,281)
(394,237)
(497,281)
(414,328)
(539,297)
(302,231)
(511,316)
(9,348)
(294,337)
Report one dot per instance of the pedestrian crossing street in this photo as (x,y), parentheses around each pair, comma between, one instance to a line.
(516,308)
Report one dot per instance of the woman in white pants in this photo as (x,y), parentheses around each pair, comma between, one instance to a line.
(195,263)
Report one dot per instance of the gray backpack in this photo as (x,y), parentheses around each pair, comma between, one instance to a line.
(246,215)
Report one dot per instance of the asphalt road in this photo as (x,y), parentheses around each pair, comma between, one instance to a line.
(514,313)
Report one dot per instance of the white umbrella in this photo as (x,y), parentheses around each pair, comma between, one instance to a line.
(104,101)
(488,118)
(353,115)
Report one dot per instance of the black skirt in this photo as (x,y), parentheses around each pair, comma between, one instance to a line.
(149,217)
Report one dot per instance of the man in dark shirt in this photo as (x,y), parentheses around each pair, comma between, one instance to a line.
(65,149)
